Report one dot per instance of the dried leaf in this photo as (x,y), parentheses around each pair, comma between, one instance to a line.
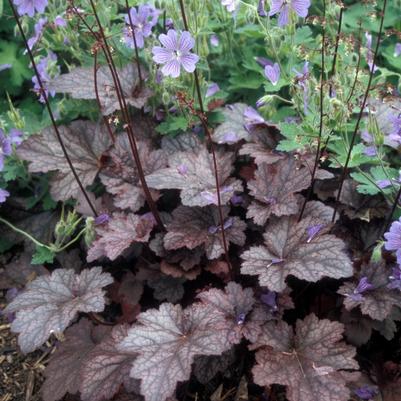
(376,302)
(85,143)
(50,303)
(289,250)
(167,340)
(118,234)
(193,173)
(310,363)
(63,373)
(80,84)
(120,176)
(105,368)
(192,227)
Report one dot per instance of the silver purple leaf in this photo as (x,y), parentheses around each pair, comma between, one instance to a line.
(309,362)
(234,305)
(80,84)
(288,250)
(376,302)
(119,234)
(180,143)
(233,128)
(193,173)
(274,189)
(106,368)
(50,303)
(195,226)
(85,144)
(63,373)
(167,340)
(120,175)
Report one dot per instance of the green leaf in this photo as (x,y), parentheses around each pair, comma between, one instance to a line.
(358,157)
(367,181)
(172,125)
(294,137)
(42,255)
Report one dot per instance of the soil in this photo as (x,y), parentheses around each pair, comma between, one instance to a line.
(21,376)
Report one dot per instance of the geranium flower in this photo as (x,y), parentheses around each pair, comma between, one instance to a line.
(38,32)
(5,148)
(272,73)
(303,81)
(261,8)
(29,6)
(397,49)
(231,5)
(393,239)
(176,53)
(143,19)
(47,70)
(283,7)
(3,195)
(369,55)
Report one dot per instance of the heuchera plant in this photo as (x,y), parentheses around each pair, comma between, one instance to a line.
(218,184)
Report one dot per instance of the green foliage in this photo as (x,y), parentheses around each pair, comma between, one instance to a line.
(42,255)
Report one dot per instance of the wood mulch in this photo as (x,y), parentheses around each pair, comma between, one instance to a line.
(21,375)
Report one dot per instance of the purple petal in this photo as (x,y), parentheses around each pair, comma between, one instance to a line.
(189,61)
(171,68)
(397,50)
(275,7)
(273,73)
(284,16)
(212,89)
(169,41)
(301,7)
(3,195)
(186,42)
(102,219)
(214,40)
(161,55)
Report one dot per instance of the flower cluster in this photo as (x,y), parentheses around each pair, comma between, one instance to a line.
(143,19)
(30,7)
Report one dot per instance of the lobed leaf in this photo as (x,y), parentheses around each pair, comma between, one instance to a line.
(289,250)
(50,303)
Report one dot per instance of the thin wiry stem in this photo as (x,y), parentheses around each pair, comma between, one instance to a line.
(365,98)
(319,139)
(358,65)
(105,119)
(49,109)
(203,121)
(132,27)
(124,109)
(333,67)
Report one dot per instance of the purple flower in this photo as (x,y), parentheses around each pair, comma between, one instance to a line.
(269,298)
(241,319)
(5,148)
(16,136)
(261,8)
(38,32)
(366,392)
(273,73)
(263,61)
(369,55)
(252,118)
(393,239)
(395,279)
(47,69)
(212,89)
(227,224)
(302,81)
(313,231)
(284,6)
(397,50)
(102,219)
(5,67)
(231,5)
(175,53)
(143,20)
(214,40)
(383,183)
(394,134)
(3,195)
(169,24)
(237,200)
(29,6)
(362,287)
(60,21)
